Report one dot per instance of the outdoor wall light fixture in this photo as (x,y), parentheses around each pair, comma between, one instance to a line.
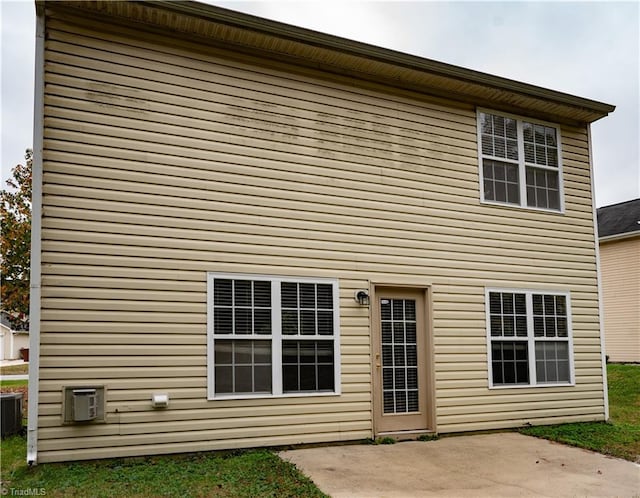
(362,297)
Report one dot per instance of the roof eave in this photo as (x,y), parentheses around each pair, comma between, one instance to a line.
(316,38)
(348,57)
(619,236)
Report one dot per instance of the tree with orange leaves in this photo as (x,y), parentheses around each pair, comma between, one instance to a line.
(15,211)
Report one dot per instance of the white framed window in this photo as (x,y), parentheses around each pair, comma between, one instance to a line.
(529,340)
(272,336)
(520,161)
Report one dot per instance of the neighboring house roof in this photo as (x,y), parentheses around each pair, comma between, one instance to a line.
(206,24)
(619,220)
(13,323)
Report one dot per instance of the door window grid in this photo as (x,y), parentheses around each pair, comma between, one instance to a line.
(399,355)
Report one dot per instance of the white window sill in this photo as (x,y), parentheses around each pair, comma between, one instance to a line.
(228,397)
(534,386)
(526,208)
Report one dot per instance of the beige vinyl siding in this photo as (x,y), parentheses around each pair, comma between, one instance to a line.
(620,267)
(164,162)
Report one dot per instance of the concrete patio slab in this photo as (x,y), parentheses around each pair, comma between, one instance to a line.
(487,465)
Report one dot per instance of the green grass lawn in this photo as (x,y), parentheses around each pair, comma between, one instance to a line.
(261,473)
(620,436)
(13,383)
(241,473)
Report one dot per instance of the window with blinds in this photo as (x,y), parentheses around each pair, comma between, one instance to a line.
(520,161)
(529,337)
(272,336)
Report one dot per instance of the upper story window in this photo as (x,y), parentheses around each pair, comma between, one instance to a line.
(272,336)
(520,161)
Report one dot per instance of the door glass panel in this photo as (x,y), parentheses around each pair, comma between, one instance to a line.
(399,355)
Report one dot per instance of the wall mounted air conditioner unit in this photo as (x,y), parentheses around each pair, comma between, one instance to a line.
(84,405)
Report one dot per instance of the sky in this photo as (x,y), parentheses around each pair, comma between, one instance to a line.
(588,49)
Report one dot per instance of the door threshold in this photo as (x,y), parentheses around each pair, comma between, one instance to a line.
(404,435)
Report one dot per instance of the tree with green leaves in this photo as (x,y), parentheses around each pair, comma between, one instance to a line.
(15,205)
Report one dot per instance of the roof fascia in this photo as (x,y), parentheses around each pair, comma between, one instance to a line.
(620,236)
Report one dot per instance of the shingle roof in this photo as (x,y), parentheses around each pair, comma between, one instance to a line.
(618,219)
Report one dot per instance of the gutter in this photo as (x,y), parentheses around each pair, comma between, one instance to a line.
(603,353)
(36,242)
(620,236)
